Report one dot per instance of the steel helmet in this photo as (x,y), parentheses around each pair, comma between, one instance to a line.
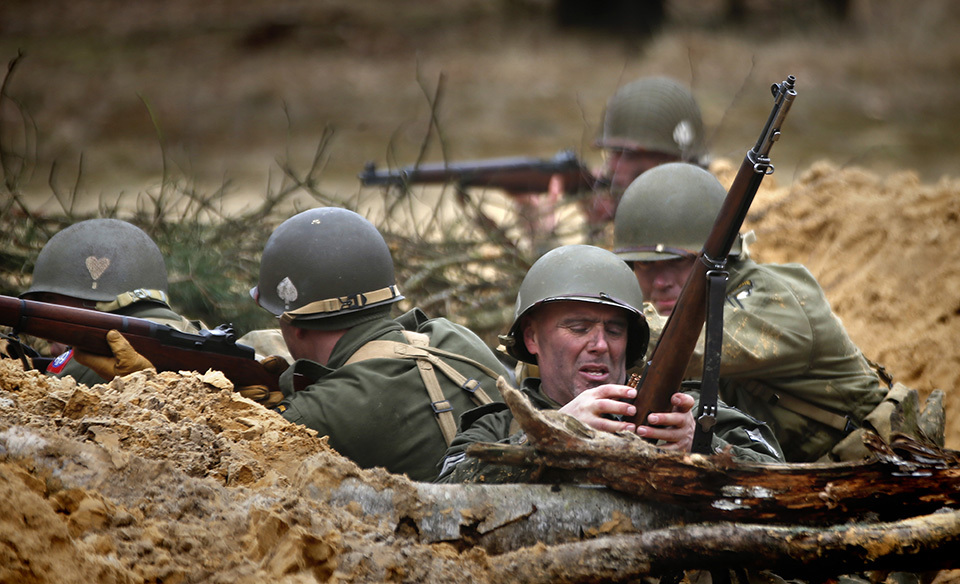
(108,261)
(668,212)
(581,273)
(326,268)
(655,113)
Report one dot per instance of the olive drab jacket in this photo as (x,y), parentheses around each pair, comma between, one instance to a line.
(746,439)
(65,364)
(788,360)
(377,411)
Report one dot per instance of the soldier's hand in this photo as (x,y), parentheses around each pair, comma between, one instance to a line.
(274,365)
(674,429)
(594,406)
(125,359)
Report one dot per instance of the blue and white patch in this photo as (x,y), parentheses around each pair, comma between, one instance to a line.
(57,365)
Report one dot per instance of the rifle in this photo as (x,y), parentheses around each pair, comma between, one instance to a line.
(681,331)
(511,174)
(167,348)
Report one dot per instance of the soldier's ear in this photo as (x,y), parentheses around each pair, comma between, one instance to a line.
(530,338)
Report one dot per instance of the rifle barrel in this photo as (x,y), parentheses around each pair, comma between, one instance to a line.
(511,174)
(671,355)
(167,348)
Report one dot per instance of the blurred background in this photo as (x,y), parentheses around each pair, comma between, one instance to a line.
(208,123)
(119,94)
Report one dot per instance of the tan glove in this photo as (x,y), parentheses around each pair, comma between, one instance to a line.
(274,365)
(125,359)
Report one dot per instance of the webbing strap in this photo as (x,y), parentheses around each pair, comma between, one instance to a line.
(343,303)
(803,407)
(128,298)
(419,350)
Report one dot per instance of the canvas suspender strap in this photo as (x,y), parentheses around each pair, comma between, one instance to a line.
(803,407)
(419,350)
(826,417)
(710,382)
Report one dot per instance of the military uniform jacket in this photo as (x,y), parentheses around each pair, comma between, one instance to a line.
(783,348)
(377,411)
(65,364)
(747,438)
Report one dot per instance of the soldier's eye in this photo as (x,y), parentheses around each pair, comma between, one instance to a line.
(616,330)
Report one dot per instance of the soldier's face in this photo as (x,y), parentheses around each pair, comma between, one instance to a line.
(578,346)
(662,281)
(622,165)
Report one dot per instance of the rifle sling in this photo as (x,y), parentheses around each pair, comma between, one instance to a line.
(427,361)
(27,355)
(711,377)
(713,345)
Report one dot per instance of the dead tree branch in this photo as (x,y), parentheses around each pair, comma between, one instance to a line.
(902,480)
(928,542)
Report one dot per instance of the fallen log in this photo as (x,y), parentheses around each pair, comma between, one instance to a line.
(927,543)
(900,480)
(501,518)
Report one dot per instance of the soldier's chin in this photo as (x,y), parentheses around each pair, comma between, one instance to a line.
(665,308)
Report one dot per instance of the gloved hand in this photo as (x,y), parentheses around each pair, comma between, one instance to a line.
(274,365)
(125,359)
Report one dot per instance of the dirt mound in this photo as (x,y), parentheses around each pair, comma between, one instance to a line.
(169,478)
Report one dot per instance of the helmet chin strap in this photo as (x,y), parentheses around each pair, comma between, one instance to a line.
(131,297)
(334,305)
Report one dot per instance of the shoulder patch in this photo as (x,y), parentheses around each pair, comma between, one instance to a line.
(57,365)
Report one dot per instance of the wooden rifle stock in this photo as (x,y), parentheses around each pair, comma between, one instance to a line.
(680,333)
(166,347)
(513,174)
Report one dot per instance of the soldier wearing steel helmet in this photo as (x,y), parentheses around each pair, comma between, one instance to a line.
(108,265)
(579,318)
(786,358)
(648,122)
(385,391)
